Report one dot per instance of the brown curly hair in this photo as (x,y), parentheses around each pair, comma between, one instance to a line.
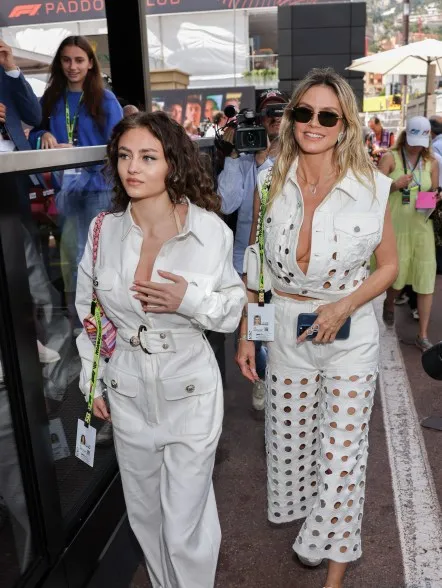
(187,175)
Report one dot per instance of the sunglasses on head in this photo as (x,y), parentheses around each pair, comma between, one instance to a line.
(326,118)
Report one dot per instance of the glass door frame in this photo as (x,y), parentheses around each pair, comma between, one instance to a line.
(23,378)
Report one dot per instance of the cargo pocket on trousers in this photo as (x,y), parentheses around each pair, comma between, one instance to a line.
(188,401)
(123,391)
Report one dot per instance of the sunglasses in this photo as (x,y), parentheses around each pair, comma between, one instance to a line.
(326,118)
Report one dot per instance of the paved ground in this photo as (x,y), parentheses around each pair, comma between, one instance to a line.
(254,554)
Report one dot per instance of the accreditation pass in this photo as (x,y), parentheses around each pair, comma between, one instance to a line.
(85,443)
(260,322)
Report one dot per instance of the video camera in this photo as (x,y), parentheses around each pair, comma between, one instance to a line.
(250,135)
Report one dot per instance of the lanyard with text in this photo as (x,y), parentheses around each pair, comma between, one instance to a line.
(407,166)
(261,316)
(96,361)
(71,123)
(264,199)
(86,433)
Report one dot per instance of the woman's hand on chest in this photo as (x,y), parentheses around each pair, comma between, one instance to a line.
(161,298)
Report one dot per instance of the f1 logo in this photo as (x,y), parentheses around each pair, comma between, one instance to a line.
(25,10)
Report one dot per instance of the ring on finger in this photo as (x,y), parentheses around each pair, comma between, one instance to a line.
(313,329)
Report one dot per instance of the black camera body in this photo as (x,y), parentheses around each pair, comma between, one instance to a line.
(250,135)
(432,361)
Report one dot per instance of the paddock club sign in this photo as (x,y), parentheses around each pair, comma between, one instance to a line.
(16,12)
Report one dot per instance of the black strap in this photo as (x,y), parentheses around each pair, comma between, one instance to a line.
(404,162)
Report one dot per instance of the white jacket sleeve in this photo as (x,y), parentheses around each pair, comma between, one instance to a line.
(83,304)
(219,310)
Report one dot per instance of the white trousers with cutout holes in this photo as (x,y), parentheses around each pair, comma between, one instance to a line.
(319,401)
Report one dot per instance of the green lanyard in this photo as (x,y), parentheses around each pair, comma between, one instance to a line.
(264,199)
(96,361)
(71,123)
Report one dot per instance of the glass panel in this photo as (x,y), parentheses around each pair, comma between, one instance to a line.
(55,233)
(16,551)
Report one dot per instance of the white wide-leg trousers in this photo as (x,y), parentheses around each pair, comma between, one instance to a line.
(166,432)
(319,401)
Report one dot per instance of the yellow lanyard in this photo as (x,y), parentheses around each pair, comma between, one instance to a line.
(71,123)
(96,311)
(264,199)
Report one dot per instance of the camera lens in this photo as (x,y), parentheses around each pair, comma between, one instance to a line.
(251,139)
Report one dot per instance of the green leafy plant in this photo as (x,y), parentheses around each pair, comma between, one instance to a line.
(261,73)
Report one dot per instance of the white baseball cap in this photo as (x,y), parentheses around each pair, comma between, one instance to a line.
(418,131)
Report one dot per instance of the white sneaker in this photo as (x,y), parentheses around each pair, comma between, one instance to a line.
(105,435)
(259,395)
(415,314)
(401,299)
(47,355)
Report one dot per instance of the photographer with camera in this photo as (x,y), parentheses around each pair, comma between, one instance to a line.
(236,186)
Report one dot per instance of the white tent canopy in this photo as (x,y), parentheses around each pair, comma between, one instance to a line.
(201,44)
(30,62)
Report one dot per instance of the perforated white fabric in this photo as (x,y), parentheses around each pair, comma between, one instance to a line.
(319,401)
(347,228)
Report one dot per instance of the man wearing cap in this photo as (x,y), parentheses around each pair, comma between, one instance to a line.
(236,186)
(414,172)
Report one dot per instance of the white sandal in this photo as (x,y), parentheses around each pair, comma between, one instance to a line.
(311,563)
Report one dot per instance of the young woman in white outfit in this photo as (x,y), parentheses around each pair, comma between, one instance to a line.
(164,273)
(327,213)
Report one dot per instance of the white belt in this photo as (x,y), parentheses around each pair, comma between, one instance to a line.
(155,341)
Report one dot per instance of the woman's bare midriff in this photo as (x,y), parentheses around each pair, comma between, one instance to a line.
(294,296)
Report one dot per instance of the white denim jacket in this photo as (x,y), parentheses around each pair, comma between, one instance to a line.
(347,227)
(215,296)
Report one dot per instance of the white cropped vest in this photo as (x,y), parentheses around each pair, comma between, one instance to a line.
(347,228)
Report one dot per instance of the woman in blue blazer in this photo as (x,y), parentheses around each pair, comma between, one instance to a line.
(17,99)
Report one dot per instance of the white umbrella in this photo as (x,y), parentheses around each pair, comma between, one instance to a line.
(414,59)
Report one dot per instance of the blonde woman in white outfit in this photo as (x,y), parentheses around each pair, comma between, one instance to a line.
(327,213)
(164,273)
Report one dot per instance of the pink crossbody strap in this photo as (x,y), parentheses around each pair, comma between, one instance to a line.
(96,241)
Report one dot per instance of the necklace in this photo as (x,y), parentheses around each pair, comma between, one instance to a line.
(311,186)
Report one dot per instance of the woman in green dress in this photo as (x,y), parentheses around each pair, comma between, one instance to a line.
(413,169)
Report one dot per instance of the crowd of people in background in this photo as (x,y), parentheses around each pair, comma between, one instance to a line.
(318,147)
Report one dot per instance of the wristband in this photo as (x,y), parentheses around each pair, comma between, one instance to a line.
(242,338)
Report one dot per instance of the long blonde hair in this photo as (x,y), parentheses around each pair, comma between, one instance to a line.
(349,153)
